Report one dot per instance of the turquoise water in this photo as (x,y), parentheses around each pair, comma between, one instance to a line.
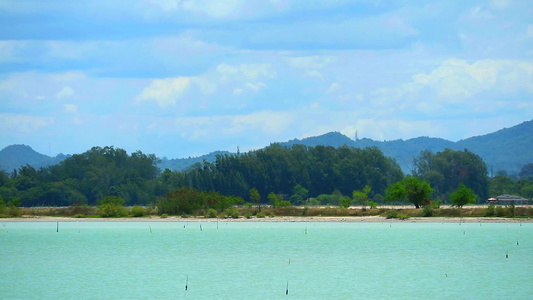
(247,260)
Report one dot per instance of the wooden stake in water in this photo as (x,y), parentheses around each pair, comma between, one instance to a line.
(187,283)
(150,228)
(287,289)
(507,254)
(305,230)
(57,227)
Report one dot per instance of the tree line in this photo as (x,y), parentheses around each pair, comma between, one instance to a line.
(281,176)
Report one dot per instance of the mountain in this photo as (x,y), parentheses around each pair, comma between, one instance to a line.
(180,164)
(508,149)
(14,156)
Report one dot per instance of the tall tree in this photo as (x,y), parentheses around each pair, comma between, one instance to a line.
(255,197)
(462,196)
(412,189)
(447,169)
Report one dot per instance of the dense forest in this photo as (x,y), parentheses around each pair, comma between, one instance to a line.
(296,175)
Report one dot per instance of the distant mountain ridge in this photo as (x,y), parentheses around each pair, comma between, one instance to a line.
(508,149)
(14,156)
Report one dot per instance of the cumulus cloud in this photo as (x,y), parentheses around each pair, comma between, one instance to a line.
(165,92)
(65,92)
(457,80)
(234,79)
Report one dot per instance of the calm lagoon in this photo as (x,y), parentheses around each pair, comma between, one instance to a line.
(252,260)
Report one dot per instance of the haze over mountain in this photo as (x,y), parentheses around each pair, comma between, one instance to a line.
(507,149)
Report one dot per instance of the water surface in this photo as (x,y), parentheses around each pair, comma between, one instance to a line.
(247,260)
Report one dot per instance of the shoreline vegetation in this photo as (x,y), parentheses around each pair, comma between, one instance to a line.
(445,214)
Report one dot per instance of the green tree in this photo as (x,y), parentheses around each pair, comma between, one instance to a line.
(462,196)
(344,202)
(412,189)
(2,206)
(299,194)
(361,197)
(445,170)
(255,197)
(14,209)
(526,172)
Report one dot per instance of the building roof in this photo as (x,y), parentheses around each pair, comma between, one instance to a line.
(510,198)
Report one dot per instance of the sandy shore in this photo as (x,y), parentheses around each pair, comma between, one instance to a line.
(274,219)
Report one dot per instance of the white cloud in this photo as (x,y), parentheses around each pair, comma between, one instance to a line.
(70,108)
(334,87)
(269,122)
(238,91)
(245,71)
(23,124)
(457,80)
(478,12)
(309,62)
(256,86)
(165,92)
(65,92)
(530,31)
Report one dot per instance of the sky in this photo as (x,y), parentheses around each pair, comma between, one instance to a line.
(180,78)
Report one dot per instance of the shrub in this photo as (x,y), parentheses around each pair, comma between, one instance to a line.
(211,213)
(392,214)
(372,204)
(231,213)
(164,216)
(511,208)
(500,212)
(14,209)
(110,210)
(2,206)
(248,215)
(80,216)
(403,216)
(306,209)
(137,211)
(260,214)
(435,204)
(490,211)
(112,206)
(427,211)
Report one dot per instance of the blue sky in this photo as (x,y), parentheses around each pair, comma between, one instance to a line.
(181,78)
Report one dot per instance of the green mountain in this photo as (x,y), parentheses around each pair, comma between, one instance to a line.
(508,149)
(180,164)
(14,156)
